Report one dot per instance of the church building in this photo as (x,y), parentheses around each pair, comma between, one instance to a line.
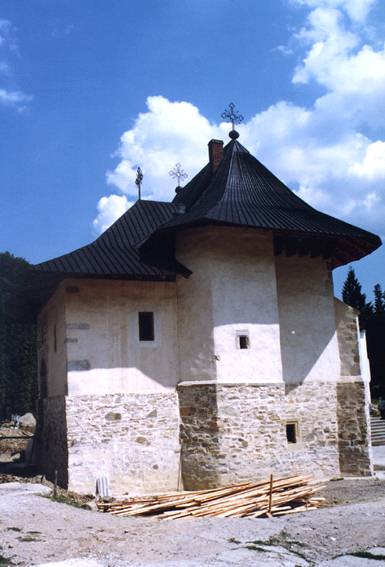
(198,343)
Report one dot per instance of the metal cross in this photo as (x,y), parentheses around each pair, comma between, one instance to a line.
(232,114)
(178,173)
(138,182)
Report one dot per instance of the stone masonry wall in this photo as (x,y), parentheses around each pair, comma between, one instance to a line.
(236,432)
(314,407)
(53,439)
(226,433)
(133,439)
(354,429)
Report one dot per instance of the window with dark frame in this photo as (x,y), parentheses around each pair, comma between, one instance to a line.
(292,432)
(243,341)
(146,326)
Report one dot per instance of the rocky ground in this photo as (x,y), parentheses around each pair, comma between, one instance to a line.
(13,442)
(34,530)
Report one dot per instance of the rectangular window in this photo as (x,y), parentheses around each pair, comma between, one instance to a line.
(146,326)
(243,340)
(292,432)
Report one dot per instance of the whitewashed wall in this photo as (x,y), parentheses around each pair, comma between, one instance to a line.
(51,320)
(104,353)
(307,321)
(232,290)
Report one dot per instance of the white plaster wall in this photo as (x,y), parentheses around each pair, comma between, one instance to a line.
(102,333)
(348,338)
(365,365)
(307,322)
(53,314)
(232,289)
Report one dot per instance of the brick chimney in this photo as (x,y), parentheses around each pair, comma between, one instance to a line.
(215,154)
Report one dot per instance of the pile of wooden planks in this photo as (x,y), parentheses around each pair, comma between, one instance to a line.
(270,497)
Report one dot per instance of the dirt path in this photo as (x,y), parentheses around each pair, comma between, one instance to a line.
(35,531)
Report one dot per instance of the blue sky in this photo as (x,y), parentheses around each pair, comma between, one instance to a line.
(91,89)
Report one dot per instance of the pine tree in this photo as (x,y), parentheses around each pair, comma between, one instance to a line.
(352,295)
(379,301)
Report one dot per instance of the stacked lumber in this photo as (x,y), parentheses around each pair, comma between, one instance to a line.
(270,497)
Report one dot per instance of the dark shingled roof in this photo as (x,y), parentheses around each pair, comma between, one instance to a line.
(115,252)
(241,192)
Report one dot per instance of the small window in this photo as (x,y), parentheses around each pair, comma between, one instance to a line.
(292,432)
(243,340)
(146,326)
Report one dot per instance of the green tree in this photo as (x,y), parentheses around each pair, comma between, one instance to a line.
(353,295)
(379,301)
(18,383)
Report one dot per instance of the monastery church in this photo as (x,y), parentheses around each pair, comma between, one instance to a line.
(198,343)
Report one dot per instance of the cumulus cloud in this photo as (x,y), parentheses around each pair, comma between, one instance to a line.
(323,151)
(109,209)
(167,133)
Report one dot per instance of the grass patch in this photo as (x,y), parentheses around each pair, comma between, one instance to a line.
(253,547)
(367,555)
(28,537)
(5,562)
(13,529)
(70,498)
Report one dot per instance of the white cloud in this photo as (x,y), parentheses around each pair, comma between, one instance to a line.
(14,98)
(109,209)
(10,97)
(357,10)
(169,132)
(322,151)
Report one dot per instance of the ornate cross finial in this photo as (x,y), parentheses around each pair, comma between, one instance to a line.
(178,173)
(231,114)
(138,182)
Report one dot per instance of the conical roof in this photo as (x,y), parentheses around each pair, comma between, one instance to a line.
(243,192)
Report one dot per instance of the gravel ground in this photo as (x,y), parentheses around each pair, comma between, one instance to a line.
(37,531)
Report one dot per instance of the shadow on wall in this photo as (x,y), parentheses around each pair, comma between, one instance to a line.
(52,440)
(307,327)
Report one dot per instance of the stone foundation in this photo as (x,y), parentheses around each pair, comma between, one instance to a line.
(53,439)
(133,439)
(205,435)
(229,433)
(354,429)
(236,432)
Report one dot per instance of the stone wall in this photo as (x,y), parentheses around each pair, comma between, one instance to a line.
(236,432)
(133,439)
(52,437)
(225,433)
(354,429)
(314,407)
